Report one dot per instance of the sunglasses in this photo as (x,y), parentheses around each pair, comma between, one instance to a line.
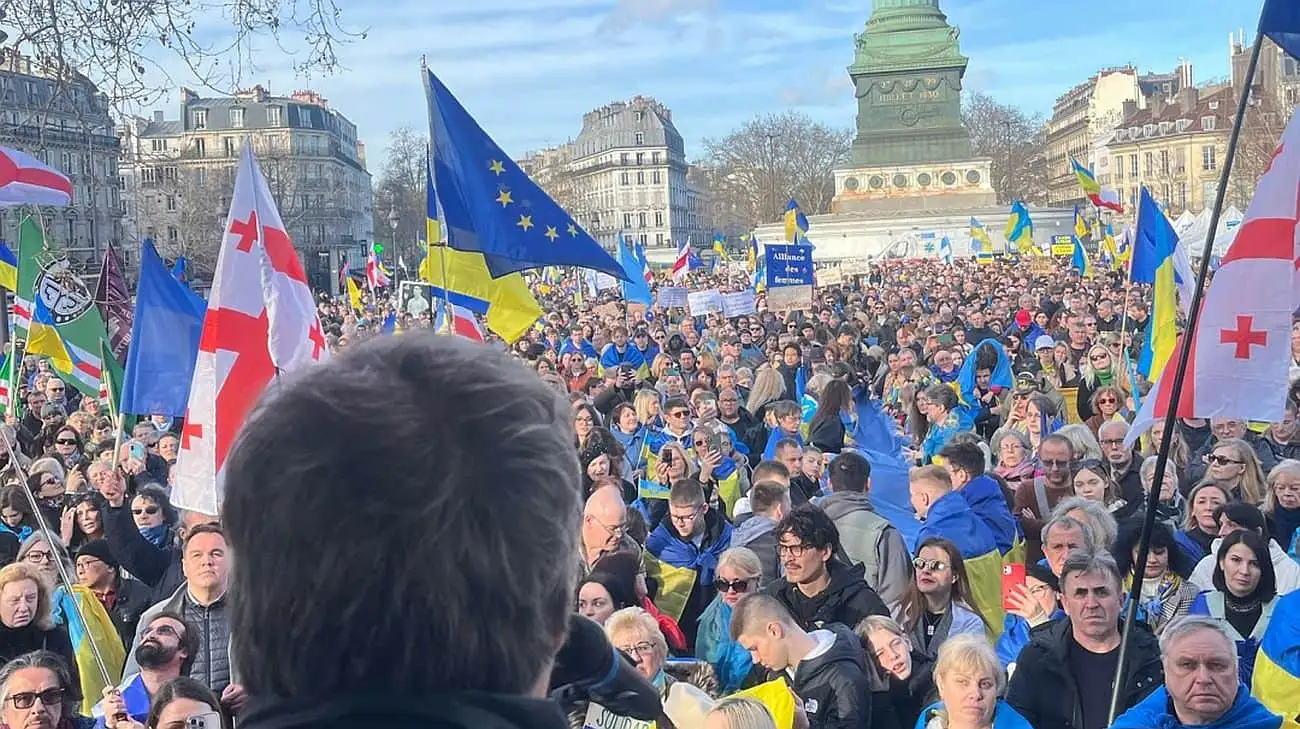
(64,441)
(1054,464)
(722,585)
(150,510)
(678,414)
(1099,357)
(1223,460)
(27,699)
(929,565)
(1107,401)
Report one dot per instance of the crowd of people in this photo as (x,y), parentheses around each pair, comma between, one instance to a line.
(823,501)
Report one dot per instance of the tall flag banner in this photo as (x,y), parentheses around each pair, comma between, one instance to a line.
(168,323)
(945,250)
(354,295)
(8,267)
(1081,229)
(432,225)
(1080,258)
(462,322)
(1241,349)
(6,380)
(111,377)
(1280,22)
(720,248)
(1099,196)
(980,243)
(1110,256)
(261,321)
(491,207)
(376,276)
(55,312)
(463,279)
(639,251)
(1153,263)
(751,251)
(1020,231)
(113,298)
(796,224)
(635,288)
(25,180)
(686,261)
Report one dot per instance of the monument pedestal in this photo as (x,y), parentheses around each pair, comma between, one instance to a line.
(914,187)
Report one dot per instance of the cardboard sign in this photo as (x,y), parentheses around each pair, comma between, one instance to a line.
(830,277)
(636,312)
(672,296)
(703,302)
(598,717)
(789,298)
(740,303)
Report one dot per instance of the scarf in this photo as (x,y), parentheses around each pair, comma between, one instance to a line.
(1163,607)
(1104,377)
(156,535)
(1285,524)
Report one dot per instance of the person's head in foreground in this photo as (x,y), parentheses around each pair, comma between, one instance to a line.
(970,679)
(739,712)
(36,692)
(425,435)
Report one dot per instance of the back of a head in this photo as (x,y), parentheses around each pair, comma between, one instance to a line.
(452,468)
(965,455)
(849,472)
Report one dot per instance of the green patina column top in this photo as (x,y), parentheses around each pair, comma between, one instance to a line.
(905,35)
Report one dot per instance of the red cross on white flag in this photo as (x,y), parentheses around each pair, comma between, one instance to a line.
(1241,349)
(261,320)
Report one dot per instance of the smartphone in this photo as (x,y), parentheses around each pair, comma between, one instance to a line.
(137,451)
(668,458)
(715,442)
(206,720)
(1013,576)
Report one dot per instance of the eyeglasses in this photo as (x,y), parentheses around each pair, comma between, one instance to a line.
(150,510)
(1098,357)
(1219,460)
(49,482)
(678,413)
(722,585)
(64,441)
(27,699)
(929,565)
(1112,442)
(640,649)
(1106,401)
(794,550)
(163,629)
(38,557)
(1052,464)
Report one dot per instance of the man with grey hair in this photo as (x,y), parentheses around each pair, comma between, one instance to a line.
(1120,461)
(1201,684)
(1062,535)
(1095,514)
(1063,677)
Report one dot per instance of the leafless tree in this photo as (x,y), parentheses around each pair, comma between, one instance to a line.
(771,159)
(1015,141)
(126,47)
(1261,133)
(399,188)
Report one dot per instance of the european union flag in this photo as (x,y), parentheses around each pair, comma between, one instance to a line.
(490,206)
(1280,21)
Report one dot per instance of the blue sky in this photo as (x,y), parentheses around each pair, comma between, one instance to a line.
(529,69)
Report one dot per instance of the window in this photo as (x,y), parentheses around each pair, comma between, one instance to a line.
(659,219)
(623,158)
(640,220)
(169,173)
(640,158)
(171,203)
(200,149)
(148,175)
(624,178)
(639,138)
(273,116)
(1164,164)
(158,145)
(659,239)
(1119,172)
(1209,160)
(1207,123)
(656,177)
(1165,193)
(236,117)
(1150,166)
(640,177)
(638,116)
(1214,105)
(199,119)
(654,157)
(627,220)
(1182,195)
(1133,166)
(228,143)
(1183,125)
(644,237)
(172,234)
(201,176)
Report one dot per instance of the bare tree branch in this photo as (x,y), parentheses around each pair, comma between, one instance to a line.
(1014,141)
(399,188)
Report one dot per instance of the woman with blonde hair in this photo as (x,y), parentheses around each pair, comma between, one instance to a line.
(647,404)
(769,387)
(739,574)
(25,621)
(739,712)
(1100,369)
(970,680)
(1234,466)
(1082,440)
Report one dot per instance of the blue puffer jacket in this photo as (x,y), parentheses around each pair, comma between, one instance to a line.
(1153,713)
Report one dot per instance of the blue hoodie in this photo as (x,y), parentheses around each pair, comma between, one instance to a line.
(1004,716)
(951,518)
(1155,712)
(985,499)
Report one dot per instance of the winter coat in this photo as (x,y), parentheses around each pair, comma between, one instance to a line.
(1246,712)
(159,568)
(212,664)
(846,600)
(868,539)
(758,534)
(834,687)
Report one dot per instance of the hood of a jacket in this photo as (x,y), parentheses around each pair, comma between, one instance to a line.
(843,503)
(751,529)
(1157,712)
(847,648)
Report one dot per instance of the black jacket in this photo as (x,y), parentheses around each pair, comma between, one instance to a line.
(1045,693)
(834,687)
(916,693)
(460,710)
(846,600)
(828,435)
(160,569)
(132,598)
(15,642)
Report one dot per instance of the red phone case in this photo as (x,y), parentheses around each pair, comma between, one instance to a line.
(1013,575)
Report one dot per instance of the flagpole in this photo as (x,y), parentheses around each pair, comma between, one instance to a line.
(1180,373)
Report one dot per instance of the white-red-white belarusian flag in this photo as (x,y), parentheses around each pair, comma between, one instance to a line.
(1241,349)
(261,320)
(376,276)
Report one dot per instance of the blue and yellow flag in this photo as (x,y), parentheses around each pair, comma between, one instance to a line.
(1081,229)
(491,207)
(751,250)
(463,279)
(720,248)
(796,224)
(1153,262)
(980,243)
(8,268)
(1276,681)
(432,226)
(1020,231)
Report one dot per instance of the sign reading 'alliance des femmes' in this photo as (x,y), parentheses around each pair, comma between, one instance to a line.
(789,276)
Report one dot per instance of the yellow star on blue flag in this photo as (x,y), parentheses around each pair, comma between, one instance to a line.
(491,207)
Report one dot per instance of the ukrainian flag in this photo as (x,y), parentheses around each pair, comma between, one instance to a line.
(1276,681)
(1020,230)
(462,278)
(43,338)
(1080,225)
(796,224)
(751,250)
(432,226)
(1080,260)
(8,268)
(1153,263)
(719,248)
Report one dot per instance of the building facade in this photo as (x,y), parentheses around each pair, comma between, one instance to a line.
(64,122)
(1079,117)
(178,176)
(625,173)
(1174,148)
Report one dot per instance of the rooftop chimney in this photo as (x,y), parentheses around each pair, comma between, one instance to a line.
(1189,99)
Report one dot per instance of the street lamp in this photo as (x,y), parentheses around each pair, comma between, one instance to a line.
(771,173)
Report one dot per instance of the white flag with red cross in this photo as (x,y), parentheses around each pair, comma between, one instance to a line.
(1241,349)
(261,322)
